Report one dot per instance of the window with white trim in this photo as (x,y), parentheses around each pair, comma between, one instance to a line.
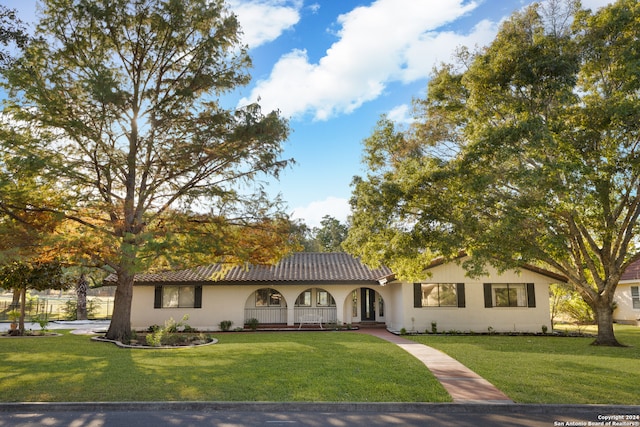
(635,297)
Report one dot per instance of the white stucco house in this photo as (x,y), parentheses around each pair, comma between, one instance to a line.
(627,296)
(336,287)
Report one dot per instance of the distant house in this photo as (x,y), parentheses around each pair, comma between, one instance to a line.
(627,297)
(310,288)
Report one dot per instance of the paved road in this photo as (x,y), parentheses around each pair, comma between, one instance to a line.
(183,414)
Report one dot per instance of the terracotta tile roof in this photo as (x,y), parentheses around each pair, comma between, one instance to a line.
(299,267)
(632,272)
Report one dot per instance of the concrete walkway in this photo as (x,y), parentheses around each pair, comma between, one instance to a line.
(464,385)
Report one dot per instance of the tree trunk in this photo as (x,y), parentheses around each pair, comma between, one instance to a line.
(81,292)
(15,300)
(23,304)
(604,319)
(120,327)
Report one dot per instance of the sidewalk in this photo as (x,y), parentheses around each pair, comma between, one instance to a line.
(464,385)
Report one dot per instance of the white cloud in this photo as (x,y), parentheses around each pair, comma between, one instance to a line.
(263,21)
(390,40)
(595,4)
(401,114)
(312,214)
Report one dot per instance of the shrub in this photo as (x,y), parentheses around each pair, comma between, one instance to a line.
(253,323)
(167,334)
(154,339)
(71,309)
(566,301)
(225,325)
(43,321)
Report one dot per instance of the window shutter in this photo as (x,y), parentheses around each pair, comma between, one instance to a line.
(417,295)
(487,296)
(531,295)
(460,294)
(197,302)
(157,300)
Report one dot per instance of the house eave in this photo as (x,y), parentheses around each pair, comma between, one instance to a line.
(258,283)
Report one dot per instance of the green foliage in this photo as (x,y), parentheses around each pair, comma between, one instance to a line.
(524,153)
(155,338)
(546,364)
(169,333)
(41,320)
(331,234)
(71,309)
(31,275)
(326,238)
(568,303)
(37,276)
(13,315)
(251,323)
(225,325)
(147,135)
(339,364)
(12,32)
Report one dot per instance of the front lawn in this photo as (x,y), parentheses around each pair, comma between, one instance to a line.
(540,369)
(307,366)
(317,366)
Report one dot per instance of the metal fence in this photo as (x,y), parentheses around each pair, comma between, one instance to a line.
(59,308)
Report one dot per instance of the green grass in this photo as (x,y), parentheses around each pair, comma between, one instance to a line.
(538,369)
(325,366)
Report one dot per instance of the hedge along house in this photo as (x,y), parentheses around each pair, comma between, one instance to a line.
(627,296)
(338,288)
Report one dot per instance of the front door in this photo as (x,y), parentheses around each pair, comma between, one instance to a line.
(368,305)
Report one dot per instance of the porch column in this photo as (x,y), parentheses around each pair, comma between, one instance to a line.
(291,315)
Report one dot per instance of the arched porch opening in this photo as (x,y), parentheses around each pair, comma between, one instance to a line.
(267,305)
(365,305)
(315,303)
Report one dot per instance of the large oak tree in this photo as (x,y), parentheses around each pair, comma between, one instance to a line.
(527,151)
(129,100)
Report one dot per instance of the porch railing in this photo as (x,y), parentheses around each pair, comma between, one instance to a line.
(269,315)
(278,315)
(328,314)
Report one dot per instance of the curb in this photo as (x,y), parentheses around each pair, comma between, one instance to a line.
(426,408)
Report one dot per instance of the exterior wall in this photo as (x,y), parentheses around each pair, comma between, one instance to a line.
(221,302)
(474,317)
(397,304)
(624,312)
(226,303)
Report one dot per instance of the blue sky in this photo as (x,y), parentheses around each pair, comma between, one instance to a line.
(333,67)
